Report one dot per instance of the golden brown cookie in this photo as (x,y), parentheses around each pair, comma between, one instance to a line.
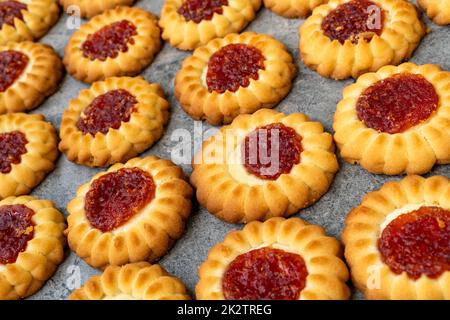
(240,73)
(293,8)
(437,10)
(31,245)
(22,20)
(264,165)
(28,150)
(397,241)
(188,24)
(119,42)
(346,38)
(113,121)
(90,8)
(29,73)
(132,212)
(134,281)
(396,120)
(280,259)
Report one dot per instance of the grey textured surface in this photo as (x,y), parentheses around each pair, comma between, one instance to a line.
(311,94)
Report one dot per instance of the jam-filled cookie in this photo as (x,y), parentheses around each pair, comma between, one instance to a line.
(113,121)
(397,242)
(132,212)
(28,150)
(346,38)
(293,8)
(188,24)
(437,10)
(29,72)
(31,245)
(264,165)
(280,259)
(90,8)
(234,75)
(396,120)
(134,281)
(119,42)
(22,20)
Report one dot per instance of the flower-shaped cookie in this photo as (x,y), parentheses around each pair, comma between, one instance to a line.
(437,10)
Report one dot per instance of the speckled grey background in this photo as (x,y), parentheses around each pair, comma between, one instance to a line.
(311,94)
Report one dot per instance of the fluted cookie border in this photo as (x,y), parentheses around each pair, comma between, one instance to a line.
(226,189)
(273,84)
(414,151)
(188,35)
(134,281)
(40,156)
(401,34)
(145,127)
(43,253)
(90,8)
(149,234)
(436,10)
(362,230)
(39,17)
(39,79)
(327,273)
(146,44)
(293,8)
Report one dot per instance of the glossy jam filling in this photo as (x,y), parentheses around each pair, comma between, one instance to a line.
(272,150)
(109,41)
(12,147)
(9,10)
(398,103)
(232,67)
(12,65)
(265,274)
(16,229)
(418,243)
(199,10)
(354,20)
(107,111)
(114,198)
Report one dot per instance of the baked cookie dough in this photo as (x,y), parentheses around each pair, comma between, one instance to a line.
(280,259)
(90,8)
(28,150)
(29,73)
(133,212)
(240,73)
(346,38)
(22,20)
(188,24)
(437,10)
(293,8)
(113,121)
(31,245)
(264,165)
(134,281)
(397,241)
(119,42)
(396,120)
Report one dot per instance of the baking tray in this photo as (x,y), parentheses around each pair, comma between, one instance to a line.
(311,94)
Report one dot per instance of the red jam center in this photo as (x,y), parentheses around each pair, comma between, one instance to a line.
(12,65)
(107,111)
(12,147)
(198,10)
(353,20)
(418,243)
(265,274)
(16,229)
(233,66)
(9,10)
(398,103)
(109,41)
(272,150)
(114,198)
